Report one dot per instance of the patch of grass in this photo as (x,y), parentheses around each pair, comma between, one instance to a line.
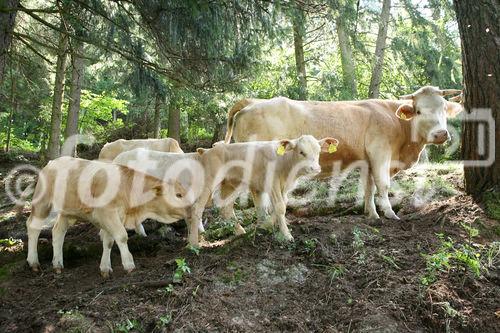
(73,321)
(129,325)
(492,205)
(389,259)
(164,320)
(310,245)
(336,272)
(451,256)
(235,276)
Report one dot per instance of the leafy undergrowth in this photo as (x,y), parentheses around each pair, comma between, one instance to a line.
(435,270)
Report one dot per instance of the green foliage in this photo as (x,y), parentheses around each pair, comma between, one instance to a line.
(129,325)
(492,203)
(97,112)
(181,270)
(452,256)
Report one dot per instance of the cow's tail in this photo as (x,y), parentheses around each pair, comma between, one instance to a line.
(230,117)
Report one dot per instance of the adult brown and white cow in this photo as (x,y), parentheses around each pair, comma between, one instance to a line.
(113,198)
(388,134)
(115,148)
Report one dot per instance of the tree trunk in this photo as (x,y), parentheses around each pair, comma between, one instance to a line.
(7,21)
(298,40)
(53,149)
(479,29)
(348,72)
(157,116)
(13,105)
(77,75)
(378,61)
(174,121)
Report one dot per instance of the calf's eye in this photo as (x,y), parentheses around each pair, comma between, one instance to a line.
(178,195)
(418,112)
(302,153)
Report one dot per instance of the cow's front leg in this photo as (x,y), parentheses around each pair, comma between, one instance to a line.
(58,232)
(107,244)
(227,210)
(381,174)
(370,208)
(279,210)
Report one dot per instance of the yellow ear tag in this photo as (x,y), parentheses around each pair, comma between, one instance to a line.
(332,148)
(402,116)
(281,150)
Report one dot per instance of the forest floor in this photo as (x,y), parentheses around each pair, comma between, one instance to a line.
(435,270)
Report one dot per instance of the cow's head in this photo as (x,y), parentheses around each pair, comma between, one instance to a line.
(428,113)
(306,150)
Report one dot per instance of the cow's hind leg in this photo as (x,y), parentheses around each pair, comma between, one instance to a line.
(370,188)
(58,232)
(34,225)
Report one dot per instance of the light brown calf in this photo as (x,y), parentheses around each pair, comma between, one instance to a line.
(113,198)
(115,148)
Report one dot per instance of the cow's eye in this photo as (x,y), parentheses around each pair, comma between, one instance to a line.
(418,112)
(302,153)
(178,195)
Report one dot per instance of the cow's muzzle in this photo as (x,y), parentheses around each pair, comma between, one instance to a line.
(440,137)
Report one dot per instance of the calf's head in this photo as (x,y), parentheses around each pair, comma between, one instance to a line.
(306,150)
(428,113)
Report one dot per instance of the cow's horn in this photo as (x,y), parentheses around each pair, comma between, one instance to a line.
(446,92)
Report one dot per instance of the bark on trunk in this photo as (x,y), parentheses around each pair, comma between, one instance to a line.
(298,41)
(348,72)
(174,121)
(13,107)
(77,75)
(378,61)
(7,21)
(479,29)
(53,150)
(157,116)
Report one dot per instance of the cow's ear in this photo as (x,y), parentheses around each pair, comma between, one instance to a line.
(201,151)
(158,190)
(405,112)
(284,146)
(452,109)
(329,145)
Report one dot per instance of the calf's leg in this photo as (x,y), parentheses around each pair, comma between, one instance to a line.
(107,244)
(34,226)
(279,210)
(111,224)
(58,232)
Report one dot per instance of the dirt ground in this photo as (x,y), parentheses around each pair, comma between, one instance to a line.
(342,274)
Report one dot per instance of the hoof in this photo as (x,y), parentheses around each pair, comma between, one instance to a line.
(391,215)
(130,270)
(106,274)
(239,230)
(35,267)
(58,270)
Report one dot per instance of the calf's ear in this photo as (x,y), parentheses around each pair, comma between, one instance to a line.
(200,151)
(284,146)
(405,112)
(328,145)
(452,109)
